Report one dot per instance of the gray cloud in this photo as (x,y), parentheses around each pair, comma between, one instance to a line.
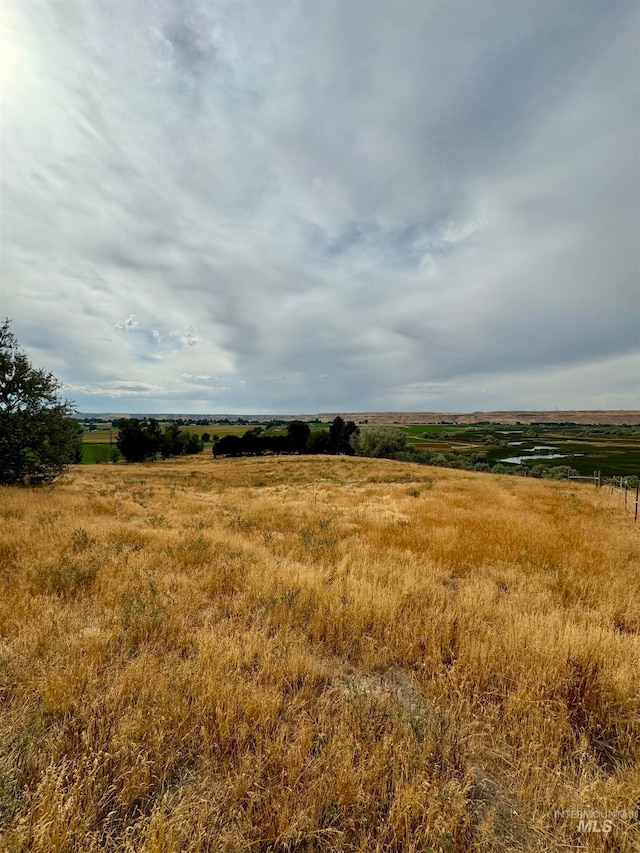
(288,207)
(129,324)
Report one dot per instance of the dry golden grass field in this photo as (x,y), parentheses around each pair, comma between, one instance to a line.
(315,653)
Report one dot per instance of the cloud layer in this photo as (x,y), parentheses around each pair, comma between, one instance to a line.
(297,207)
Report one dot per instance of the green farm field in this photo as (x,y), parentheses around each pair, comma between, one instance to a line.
(580,448)
(97,443)
(583,449)
(99,436)
(96,453)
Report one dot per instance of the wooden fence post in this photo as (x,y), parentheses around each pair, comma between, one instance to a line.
(636,513)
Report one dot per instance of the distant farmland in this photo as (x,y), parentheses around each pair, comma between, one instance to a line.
(612,450)
(585,449)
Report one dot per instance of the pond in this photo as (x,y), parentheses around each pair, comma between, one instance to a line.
(516,460)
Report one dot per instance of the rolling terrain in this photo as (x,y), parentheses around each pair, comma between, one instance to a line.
(316,653)
(612,416)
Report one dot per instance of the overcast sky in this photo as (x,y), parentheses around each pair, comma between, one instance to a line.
(324,206)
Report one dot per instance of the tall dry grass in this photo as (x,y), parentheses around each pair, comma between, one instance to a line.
(315,654)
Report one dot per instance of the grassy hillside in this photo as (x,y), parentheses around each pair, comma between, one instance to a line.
(315,653)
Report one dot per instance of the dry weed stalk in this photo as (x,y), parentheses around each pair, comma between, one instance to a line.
(315,654)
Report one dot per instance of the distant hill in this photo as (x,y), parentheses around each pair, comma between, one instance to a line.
(613,416)
(578,416)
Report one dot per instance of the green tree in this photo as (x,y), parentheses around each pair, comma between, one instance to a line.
(340,434)
(379,441)
(175,442)
(297,436)
(318,441)
(192,444)
(38,437)
(172,443)
(153,437)
(139,440)
(228,445)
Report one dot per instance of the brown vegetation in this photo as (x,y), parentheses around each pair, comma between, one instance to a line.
(315,654)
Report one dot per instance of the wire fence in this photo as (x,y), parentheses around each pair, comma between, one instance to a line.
(595,478)
(628,493)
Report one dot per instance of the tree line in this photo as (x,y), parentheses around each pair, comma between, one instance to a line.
(40,438)
(299,439)
(142,440)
